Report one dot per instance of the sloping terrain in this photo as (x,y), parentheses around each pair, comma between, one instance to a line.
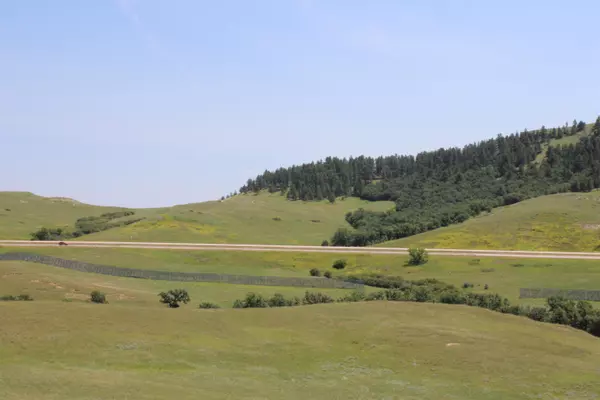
(264,218)
(560,222)
(22,213)
(344,351)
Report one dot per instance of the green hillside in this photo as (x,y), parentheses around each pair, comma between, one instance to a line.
(448,186)
(22,213)
(76,350)
(262,218)
(560,222)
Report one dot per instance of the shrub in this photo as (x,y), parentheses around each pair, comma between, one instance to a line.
(380,281)
(276,218)
(537,313)
(325,243)
(98,297)
(252,300)
(422,294)
(328,274)
(279,301)
(353,296)
(467,285)
(172,298)
(316,298)
(315,272)
(206,305)
(376,296)
(340,264)
(452,297)
(417,256)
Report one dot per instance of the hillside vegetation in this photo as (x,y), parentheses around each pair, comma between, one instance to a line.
(560,222)
(448,186)
(262,218)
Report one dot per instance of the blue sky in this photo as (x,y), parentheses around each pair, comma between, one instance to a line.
(156,102)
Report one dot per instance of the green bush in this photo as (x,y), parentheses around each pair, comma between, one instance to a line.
(316,298)
(207,305)
(375,296)
(353,296)
(252,300)
(325,243)
(380,281)
(467,285)
(417,256)
(315,272)
(279,301)
(172,298)
(328,274)
(340,264)
(98,297)
(537,313)
(452,297)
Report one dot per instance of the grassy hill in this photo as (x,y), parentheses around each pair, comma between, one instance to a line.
(561,222)
(22,213)
(263,218)
(345,351)
(503,275)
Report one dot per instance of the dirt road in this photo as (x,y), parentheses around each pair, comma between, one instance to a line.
(308,249)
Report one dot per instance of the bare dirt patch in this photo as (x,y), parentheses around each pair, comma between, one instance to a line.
(591,227)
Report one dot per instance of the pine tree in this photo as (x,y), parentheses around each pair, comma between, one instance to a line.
(596,128)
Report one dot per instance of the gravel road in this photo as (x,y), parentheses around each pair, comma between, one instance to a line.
(308,249)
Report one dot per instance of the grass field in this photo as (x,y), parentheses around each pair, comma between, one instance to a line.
(560,222)
(56,350)
(44,282)
(263,219)
(503,275)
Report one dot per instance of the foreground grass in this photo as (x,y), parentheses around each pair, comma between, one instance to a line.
(45,283)
(52,350)
(503,275)
(262,219)
(561,222)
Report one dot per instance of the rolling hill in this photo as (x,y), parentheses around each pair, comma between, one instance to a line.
(76,350)
(453,198)
(559,222)
(441,188)
(22,213)
(262,218)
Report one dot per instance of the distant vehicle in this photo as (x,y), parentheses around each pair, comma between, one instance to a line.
(62,244)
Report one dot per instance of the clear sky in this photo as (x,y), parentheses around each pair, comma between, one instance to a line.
(158,102)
